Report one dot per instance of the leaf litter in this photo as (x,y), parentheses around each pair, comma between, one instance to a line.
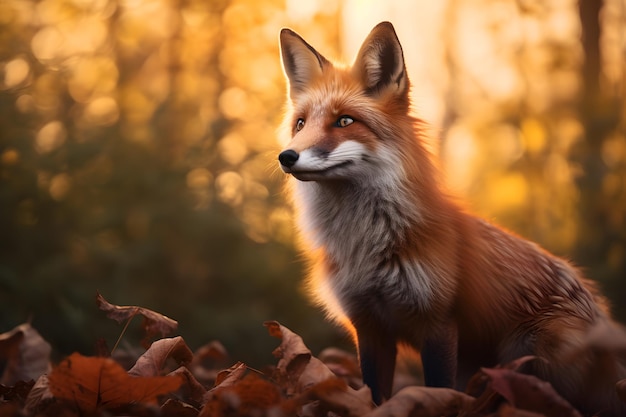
(169,379)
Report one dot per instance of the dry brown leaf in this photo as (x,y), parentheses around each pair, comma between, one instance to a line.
(250,396)
(343,364)
(17,392)
(38,395)
(152,362)
(231,375)
(334,395)
(529,393)
(418,401)
(516,365)
(226,378)
(192,391)
(301,373)
(314,372)
(27,354)
(153,324)
(91,383)
(13,398)
(209,357)
(293,356)
(207,361)
(177,408)
(212,352)
(292,353)
(297,369)
(477,382)
(486,398)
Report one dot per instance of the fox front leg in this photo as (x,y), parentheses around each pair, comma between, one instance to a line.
(439,359)
(377,356)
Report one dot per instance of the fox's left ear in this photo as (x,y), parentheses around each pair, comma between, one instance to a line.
(380,62)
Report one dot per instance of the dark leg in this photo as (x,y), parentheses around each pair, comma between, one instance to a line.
(377,354)
(439,359)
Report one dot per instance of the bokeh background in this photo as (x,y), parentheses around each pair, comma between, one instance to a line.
(138,150)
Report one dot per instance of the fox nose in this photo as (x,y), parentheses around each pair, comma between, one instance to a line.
(288,158)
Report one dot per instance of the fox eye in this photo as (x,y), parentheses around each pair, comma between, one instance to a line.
(299,124)
(344,121)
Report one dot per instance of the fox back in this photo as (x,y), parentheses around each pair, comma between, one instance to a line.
(395,260)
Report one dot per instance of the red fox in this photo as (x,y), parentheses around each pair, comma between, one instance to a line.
(395,260)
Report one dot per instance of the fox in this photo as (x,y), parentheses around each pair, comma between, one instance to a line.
(397,261)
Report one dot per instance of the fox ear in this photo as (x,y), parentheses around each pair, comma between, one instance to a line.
(301,62)
(380,62)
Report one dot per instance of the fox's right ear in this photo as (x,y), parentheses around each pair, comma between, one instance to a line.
(301,62)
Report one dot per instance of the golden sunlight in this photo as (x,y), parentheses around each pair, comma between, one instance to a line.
(498,83)
(50,136)
(139,144)
(421,28)
(15,72)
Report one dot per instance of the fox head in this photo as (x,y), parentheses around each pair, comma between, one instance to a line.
(346,122)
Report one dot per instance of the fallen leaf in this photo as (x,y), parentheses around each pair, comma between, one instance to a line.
(225,379)
(192,391)
(91,383)
(153,323)
(250,396)
(314,372)
(529,393)
(478,386)
(19,391)
(177,408)
(231,375)
(16,394)
(27,354)
(152,362)
(334,395)
(213,352)
(297,369)
(343,364)
(418,401)
(38,396)
(207,361)
(292,353)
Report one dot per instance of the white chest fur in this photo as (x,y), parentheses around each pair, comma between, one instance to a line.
(363,229)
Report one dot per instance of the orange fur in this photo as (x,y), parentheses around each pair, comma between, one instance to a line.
(395,260)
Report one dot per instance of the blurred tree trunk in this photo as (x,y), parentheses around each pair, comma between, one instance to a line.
(589,11)
(602,240)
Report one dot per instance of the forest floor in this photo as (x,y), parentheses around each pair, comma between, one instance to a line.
(166,378)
